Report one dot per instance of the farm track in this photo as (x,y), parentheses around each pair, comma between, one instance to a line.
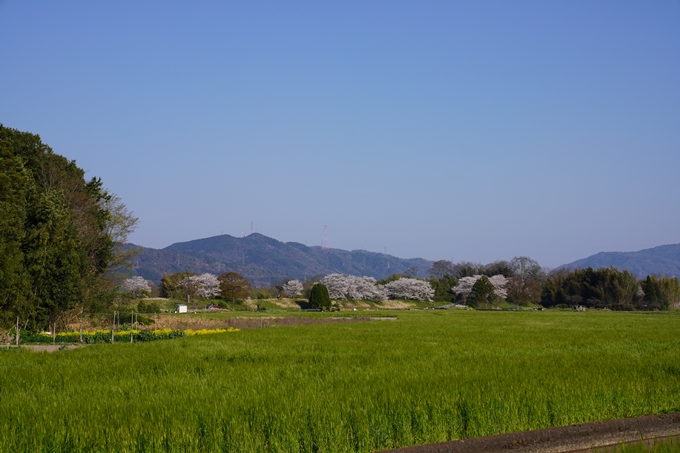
(582,438)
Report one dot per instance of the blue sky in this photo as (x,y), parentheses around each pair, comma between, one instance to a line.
(444,130)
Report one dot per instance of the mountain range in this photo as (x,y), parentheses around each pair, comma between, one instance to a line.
(662,260)
(263,260)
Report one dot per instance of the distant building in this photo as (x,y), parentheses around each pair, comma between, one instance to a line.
(181,308)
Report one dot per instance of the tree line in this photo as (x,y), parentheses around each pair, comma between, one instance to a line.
(609,288)
(520,282)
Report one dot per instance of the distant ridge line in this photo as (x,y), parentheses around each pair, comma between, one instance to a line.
(263,260)
(660,260)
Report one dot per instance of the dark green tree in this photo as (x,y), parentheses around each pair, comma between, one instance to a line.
(649,287)
(442,288)
(319,297)
(15,183)
(483,291)
(442,279)
(57,233)
(601,288)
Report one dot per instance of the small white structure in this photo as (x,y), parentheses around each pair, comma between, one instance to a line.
(180,308)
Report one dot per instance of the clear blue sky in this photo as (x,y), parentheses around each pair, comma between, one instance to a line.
(444,130)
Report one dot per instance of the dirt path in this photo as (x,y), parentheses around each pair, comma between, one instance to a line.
(573,439)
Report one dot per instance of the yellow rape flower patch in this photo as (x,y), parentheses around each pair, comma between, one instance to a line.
(190,332)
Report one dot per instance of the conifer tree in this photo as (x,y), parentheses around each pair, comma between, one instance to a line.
(319,298)
(650,289)
(483,291)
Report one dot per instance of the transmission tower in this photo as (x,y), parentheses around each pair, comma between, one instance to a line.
(252,227)
(324,244)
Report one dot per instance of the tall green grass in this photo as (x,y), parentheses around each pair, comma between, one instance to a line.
(427,377)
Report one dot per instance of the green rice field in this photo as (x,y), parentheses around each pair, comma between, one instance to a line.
(428,376)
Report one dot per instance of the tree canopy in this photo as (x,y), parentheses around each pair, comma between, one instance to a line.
(601,288)
(59,234)
(233,286)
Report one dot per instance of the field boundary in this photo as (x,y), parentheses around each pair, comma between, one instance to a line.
(575,438)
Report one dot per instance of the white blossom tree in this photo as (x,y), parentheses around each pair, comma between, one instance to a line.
(337,285)
(499,283)
(203,286)
(465,284)
(293,288)
(410,288)
(353,288)
(136,286)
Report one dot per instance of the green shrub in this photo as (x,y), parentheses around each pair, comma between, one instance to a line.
(148,307)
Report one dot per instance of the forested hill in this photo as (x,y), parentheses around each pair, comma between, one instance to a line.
(662,260)
(262,260)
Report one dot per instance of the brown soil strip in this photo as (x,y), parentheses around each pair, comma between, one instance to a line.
(574,438)
(50,347)
(253,322)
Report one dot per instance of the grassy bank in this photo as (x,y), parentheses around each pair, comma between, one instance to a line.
(429,376)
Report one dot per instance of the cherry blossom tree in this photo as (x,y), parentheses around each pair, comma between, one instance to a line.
(293,288)
(353,288)
(202,286)
(337,285)
(465,285)
(409,288)
(499,283)
(136,286)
